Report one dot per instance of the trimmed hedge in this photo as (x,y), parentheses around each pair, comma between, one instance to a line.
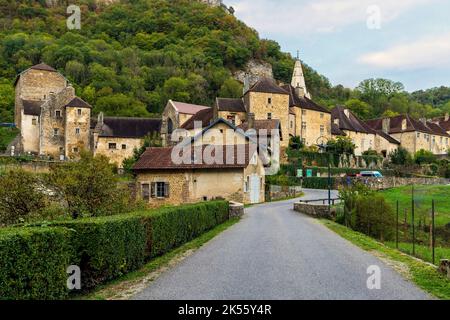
(33,263)
(34,260)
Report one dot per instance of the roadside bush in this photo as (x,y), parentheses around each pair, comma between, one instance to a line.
(33,263)
(107,247)
(33,260)
(400,156)
(424,157)
(317,183)
(89,187)
(20,196)
(170,227)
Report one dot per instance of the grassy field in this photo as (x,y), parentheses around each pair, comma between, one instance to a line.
(422,252)
(422,274)
(423,196)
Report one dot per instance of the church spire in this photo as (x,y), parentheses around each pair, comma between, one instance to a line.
(298,78)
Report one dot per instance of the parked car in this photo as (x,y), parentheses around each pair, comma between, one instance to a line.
(371,174)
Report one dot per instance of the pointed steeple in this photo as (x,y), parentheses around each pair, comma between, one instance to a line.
(298,78)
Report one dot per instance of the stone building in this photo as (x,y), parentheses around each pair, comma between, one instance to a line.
(365,138)
(161,181)
(414,135)
(56,124)
(264,106)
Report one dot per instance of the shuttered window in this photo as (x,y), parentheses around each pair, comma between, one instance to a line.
(160,190)
(146,192)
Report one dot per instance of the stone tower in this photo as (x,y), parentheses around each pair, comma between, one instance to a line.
(298,80)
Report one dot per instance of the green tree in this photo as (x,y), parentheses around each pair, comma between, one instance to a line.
(89,187)
(341,145)
(424,157)
(360,108)
(231,89)
(400,156)
(21,196)
(151,140)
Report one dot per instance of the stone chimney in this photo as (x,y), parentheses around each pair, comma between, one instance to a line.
(386,125)
(246,83)
(100,119)
(300,92)
(215,112)
(251,121)
(347,113)
(336,122)
(423,120)
(446,117)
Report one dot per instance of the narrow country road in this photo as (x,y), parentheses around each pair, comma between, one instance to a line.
(276,253)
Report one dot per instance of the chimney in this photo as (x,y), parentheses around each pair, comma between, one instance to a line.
(246,83)
(251,121)
(300,92)
(336,121)
(347,113)
(215,111)
(100,119)
(446,117)
(386,125)
(423,120)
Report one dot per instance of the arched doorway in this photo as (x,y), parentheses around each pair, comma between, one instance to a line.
(170,126)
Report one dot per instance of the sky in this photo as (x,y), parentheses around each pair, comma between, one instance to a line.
(351,40)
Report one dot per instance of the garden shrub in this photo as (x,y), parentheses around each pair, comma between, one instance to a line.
(33,263)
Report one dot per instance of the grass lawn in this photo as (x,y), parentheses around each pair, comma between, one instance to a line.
(423,197)
(130,284)
(423,252)
(421,273)
(6,136)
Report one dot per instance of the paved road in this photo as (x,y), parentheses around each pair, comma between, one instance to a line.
(275,253)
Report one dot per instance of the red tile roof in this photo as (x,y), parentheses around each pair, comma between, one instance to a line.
(204,116)
(161,158)
(188,108)
(267,85)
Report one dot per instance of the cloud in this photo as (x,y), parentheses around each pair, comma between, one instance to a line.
(429,52)
(306,16)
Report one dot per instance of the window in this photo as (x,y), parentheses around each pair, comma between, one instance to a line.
(61,150)
(34,121)
(321,116)
(75,150)
(269,101)
(247,184)
(79,112)
(55,131)
(292,124)
(446,141)
(304,112)
(304,125)
(146,192)
(160,190)
(124,147)
(112,146)
(269,116)
(58,114)
(418,135)
(322,130)
(77,131)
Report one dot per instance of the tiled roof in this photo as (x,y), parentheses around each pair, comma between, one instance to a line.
(204,116)
(230,105)
(32,108)
(351,122)
(445,124)
(188,108)
(44,67)
(302,102)
(335,131)
(267,85)
(262,124)
(412,125)
(161,159)
(78,103)
(381,133)
(129,127)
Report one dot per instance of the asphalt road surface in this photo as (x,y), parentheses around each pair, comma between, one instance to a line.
(275,253)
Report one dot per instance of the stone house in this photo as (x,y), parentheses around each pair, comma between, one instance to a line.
(236,174)
(414,135)
(118,137)
(346,123)
(56,124)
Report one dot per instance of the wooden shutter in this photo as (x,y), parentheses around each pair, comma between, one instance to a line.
(167,190)
(146,191)
(153,190)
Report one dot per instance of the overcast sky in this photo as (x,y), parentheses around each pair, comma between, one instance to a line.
(352,40)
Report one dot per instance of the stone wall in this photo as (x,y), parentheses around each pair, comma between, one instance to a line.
(279,192)
(236,210)
(124,148)
(75,142)
(314,121)
(314,210)
(392,182)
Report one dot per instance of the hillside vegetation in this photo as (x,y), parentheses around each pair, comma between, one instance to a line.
(130,57)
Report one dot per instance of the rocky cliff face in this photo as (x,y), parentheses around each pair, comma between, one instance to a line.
(255,70)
